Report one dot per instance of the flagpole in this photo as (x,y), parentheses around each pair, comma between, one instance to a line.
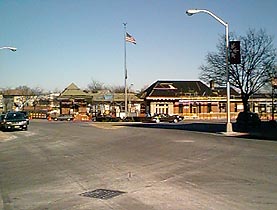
(125,70)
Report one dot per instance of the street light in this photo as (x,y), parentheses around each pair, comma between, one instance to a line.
(9,48)
(191,12)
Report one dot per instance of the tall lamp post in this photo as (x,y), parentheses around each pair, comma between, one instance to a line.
(195,11)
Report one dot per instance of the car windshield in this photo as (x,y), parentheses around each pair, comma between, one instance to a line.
(18,116)
(24,113)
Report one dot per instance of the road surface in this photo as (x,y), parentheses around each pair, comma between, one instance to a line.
(52,164)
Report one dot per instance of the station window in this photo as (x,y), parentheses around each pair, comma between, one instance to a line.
(161,108)
(181,108)
(209,107)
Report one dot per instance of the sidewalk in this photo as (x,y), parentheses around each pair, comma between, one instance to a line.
(266,131)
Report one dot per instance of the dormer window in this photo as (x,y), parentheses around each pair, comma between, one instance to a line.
(165,86)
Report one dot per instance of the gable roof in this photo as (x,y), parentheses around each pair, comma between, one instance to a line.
(17,92)
(73,91)
(177,89)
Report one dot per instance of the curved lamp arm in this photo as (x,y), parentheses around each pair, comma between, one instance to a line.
(9,48)
(191,12)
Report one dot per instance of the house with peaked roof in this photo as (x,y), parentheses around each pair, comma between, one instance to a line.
(16,99)
(191,99)
(73,100)
(73,91)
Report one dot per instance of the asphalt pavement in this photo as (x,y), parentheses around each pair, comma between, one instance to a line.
(267,130)
(191,165)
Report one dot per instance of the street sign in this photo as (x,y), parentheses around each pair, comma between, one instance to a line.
(234,50)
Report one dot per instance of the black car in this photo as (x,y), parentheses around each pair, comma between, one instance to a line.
(26,115)
(64,117)
(14,120)
(167,118)
(248,119)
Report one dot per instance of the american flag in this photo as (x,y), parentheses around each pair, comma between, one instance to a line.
(129,38)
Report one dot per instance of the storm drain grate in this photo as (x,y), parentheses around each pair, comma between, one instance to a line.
(102,194)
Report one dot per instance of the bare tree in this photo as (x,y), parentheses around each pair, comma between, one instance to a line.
(142,92)
(258,58)
(37,91)
(117,89)
(95,86)
(7,104)
(26,93)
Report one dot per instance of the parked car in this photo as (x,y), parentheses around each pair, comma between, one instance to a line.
(26,115)
(64,117)
(14,120)
(248,119)
(167,118)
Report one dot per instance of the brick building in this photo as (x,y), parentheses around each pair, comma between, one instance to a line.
(191,99)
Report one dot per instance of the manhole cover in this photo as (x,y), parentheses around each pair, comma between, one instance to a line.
(102,194)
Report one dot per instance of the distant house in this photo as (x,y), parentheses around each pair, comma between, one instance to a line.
(191,99)
(16,99)
(73,100)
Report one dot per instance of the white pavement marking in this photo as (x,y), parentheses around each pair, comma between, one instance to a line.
(107,125)
(184,141)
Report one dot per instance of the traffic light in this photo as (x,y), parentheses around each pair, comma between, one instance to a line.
(234,49)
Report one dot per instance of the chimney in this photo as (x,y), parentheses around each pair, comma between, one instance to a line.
(212,84)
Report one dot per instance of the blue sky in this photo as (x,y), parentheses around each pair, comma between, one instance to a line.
(64,41)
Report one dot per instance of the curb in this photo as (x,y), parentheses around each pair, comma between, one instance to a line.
(234,133)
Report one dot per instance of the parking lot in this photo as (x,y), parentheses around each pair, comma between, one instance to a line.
(73,165)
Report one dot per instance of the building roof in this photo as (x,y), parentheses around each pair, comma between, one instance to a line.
(72,91)
(221,91)
(17,92)
(177,89)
